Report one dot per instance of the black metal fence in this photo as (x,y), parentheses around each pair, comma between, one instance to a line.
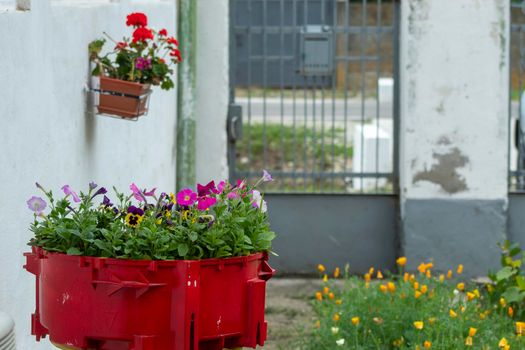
(317,84)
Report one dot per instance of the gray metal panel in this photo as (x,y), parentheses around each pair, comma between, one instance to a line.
(516,218)
(449,232)
(360,230)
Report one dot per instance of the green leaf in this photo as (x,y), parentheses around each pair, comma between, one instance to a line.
(73,251)
(513,295)
(182,249)
(193,236)
(520,281)
(504,273)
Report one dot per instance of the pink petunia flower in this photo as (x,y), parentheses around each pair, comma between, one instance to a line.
(206,202)
(69,192)
(136,192)
(186,197)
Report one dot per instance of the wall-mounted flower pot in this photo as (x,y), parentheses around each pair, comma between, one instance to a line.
(123,98)
(116,304)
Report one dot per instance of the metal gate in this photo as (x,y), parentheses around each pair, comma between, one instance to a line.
(314,94)
(314,100)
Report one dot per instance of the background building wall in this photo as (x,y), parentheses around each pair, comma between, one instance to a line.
(48,135)
(454,130)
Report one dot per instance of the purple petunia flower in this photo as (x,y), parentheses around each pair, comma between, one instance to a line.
(101,190)
(92,185)
(186,197)
(106,202)
(150,193)
(206,202)
(233,195)
(267,177)
(69,192)
(221,186)
(206,189)
(36,204)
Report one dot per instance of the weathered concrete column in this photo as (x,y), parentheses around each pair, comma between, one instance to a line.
(454,130)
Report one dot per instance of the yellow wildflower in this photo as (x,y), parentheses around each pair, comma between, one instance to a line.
(462,309)
(416,285)
(336,317)
(476,293)
(502,302)
(503,343)
(371,271)
(355,320)
(432,320)
(321,268)
(406,276)
(412,278)
(427,344)
(441,278)
(319,296)
(367,284)
(490,288)
(379,275)
(422,268)
(398,342)
(419,325)
(472,331)
(337,272)
(449,274)
(338,302)
(417,294)
(471,296)
(460,269)
(510,311)
(326,290)
(424,289)
(325,278)
(468,341)
(402,261)
(428,273)
(452,313)
(461,286)
(391,287)
(520,328)
(482,316)
(367,277)
(318,324)
(383,288)
(331,296)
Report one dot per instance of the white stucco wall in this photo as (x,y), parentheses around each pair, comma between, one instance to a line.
(46,136)
(212,90)
(454,98)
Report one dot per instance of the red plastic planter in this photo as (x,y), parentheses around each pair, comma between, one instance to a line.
(102,303)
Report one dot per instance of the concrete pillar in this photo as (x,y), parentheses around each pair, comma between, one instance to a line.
(454,129)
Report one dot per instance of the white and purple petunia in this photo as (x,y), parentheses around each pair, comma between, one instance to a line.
(267,177)
(36,204)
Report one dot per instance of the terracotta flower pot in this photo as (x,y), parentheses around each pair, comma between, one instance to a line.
(123,98)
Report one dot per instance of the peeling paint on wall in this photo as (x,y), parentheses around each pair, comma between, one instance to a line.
(444,173)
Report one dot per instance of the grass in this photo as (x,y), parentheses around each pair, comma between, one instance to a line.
(419,311)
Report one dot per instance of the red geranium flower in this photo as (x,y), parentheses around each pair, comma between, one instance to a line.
(162,60)
(121,45)
(176,53)
(142,34)
(137,19)
(163,32)
(172,40)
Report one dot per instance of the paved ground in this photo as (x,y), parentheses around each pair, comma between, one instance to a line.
(288,310)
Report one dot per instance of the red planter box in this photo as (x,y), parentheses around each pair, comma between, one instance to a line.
(123,98)
(102,303)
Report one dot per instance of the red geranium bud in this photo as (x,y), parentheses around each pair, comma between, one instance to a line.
(172,40)
(137,19)
(142,34)
(162,60)
(163,32)
(121,45)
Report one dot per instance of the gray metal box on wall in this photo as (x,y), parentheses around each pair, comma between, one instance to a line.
(316,51)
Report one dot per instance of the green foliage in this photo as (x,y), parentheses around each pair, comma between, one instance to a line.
(509,281)
(383,314)
(232,227)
